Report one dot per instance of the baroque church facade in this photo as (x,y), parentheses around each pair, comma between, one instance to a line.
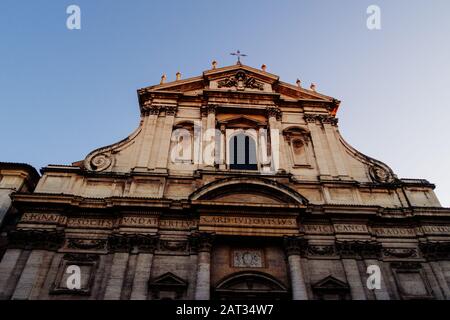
(235,185)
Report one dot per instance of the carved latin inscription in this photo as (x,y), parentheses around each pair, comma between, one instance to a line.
(318,229)
(90,223)
(177,224)
(394,232)
(41,217)
(139,221)
(248,221)
(351,228)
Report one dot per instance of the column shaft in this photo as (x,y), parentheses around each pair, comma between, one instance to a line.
(297,278)
(354,279)
(202,290)
(117,274)
(141,276)
(28,276)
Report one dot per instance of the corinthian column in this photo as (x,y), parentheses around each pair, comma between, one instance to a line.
(293,247)
(203,243)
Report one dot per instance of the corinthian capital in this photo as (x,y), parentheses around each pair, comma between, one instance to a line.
(171,110)
(201,242)
(294,245)
(273,111)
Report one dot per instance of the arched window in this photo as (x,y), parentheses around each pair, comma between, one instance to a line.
(243,153)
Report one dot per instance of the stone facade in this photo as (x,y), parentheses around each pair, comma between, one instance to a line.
(302,216)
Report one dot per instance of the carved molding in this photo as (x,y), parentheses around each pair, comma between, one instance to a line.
(364,249)
(171,245)
(435,250)
(36,239)
(240,81)
(129,242)
(86,244)
(77,257)
(380,174)
(275,112)
(401,252)
(149,109)
(322,118)
(321,250)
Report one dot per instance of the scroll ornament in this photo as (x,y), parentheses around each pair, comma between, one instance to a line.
(380,174)
(101,162)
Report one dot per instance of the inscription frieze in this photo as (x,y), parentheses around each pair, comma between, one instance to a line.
(90,223)
(139,221)
(41,217)
(318,229)
(248,221)
(351,228)
(177,224)
(394,232)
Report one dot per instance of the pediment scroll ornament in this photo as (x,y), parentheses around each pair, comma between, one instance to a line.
(241,81)
(380,174)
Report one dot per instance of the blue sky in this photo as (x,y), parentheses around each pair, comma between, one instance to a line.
(64,93)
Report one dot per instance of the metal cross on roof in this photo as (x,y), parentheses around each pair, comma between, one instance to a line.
(239,55)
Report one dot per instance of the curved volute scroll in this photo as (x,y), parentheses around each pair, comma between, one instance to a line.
(379,172)
(104,159)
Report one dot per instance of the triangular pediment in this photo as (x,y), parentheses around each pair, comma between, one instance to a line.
(168,279)
(329,283)
(237,78)
(241,121)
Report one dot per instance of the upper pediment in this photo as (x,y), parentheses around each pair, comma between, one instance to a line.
(236,78)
